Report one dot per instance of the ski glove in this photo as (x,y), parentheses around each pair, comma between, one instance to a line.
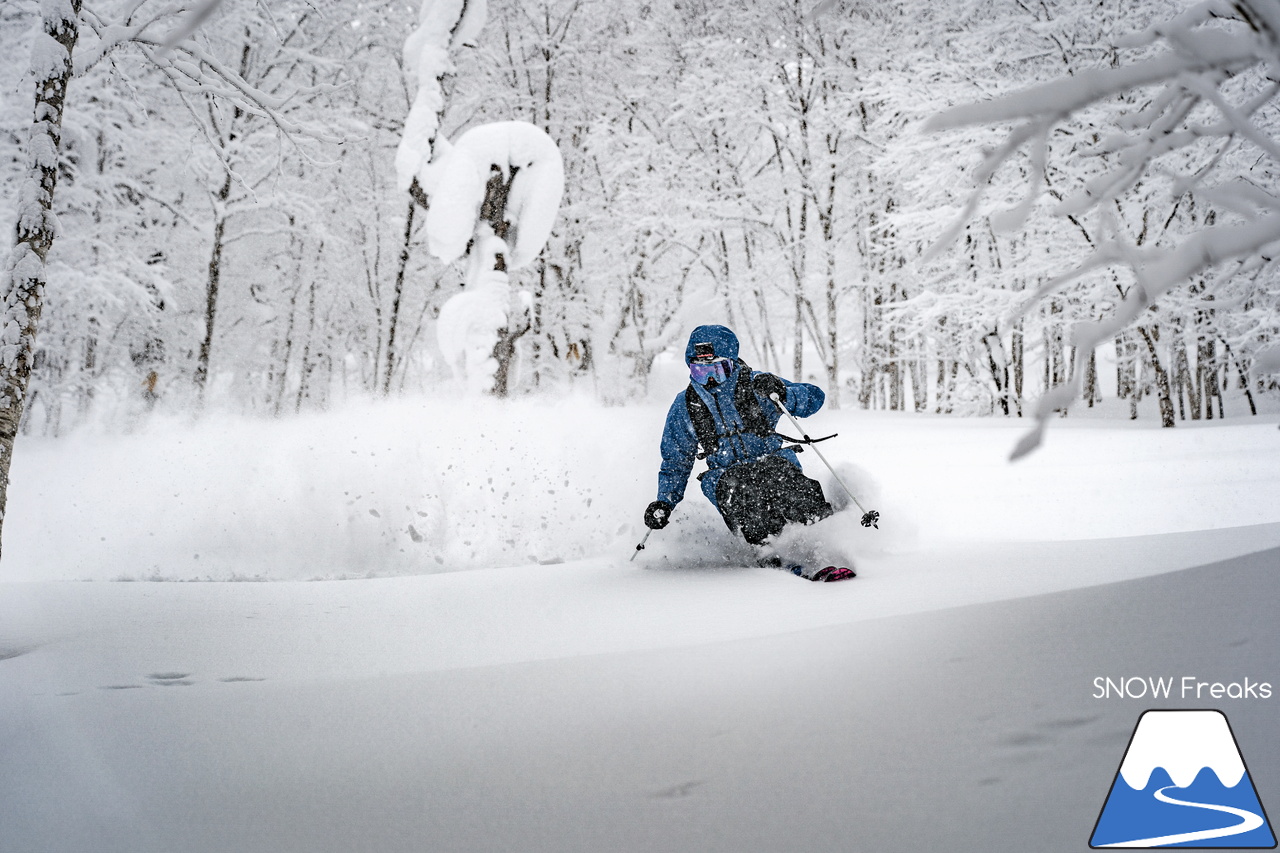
(768,385)
(657,515)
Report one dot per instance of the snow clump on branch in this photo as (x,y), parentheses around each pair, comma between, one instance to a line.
(442,25)
(456,186)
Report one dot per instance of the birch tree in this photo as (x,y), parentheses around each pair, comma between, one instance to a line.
(24,282)
(159,32)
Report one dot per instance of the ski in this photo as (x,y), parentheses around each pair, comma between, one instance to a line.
(826,574)
(830,574)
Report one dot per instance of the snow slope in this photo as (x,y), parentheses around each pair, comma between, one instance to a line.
(943,700)
(443,485)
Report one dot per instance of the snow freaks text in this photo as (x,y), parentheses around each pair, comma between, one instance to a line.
(1173,687)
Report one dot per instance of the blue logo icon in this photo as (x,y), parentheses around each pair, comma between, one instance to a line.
(1183,783)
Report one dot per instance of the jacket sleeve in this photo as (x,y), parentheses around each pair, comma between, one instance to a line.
(803,399)
(679,450)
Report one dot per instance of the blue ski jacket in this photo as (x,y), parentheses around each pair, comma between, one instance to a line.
(736,444)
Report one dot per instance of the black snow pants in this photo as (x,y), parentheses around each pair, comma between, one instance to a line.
(758,498)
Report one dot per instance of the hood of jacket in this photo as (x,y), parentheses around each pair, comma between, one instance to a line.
(724,342)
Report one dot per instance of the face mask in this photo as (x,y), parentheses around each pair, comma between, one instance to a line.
(710,373)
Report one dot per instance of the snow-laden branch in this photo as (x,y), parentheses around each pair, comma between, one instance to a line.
(442,25)
(193,69)
(456,183)
(190,23)
(1157,272)
(1209,50)
(1060,98)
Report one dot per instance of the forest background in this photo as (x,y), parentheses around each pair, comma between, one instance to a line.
(762,164)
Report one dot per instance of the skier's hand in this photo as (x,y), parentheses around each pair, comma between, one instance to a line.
(768,385)
(657,515)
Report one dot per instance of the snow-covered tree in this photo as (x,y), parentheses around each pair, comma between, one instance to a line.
(161,35)
(24,275)
(494,194)
(490,195)
(751,163)
(1206,98)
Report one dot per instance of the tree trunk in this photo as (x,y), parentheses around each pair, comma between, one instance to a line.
(798,266)
(871,315)
(894,372)
(537,327)
(89,367)
(942,393)
(282,378)
(504,351)
(1207,374)
(1127,386)
(999,372)
(34,234)
(1019,364)
(493,210)
(308,366)
(797,352)
(920,375)
(1091,394)
(833,336)
(1184,383)
(1162,378)
(211,287)
(395,300)
(1244,379)
(1121,373)
(1055,360)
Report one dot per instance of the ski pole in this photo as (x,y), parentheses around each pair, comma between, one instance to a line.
(870,518)
(640,547)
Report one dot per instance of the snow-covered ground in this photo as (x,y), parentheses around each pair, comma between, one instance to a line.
(480,667)
(425,486)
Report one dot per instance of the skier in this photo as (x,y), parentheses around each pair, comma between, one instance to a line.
(755,482)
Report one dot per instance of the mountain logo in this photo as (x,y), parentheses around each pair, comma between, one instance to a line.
(1183,783)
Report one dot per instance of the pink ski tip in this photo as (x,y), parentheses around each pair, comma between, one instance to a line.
(830,574)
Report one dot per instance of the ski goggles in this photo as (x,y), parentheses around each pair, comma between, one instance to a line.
(703,372)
